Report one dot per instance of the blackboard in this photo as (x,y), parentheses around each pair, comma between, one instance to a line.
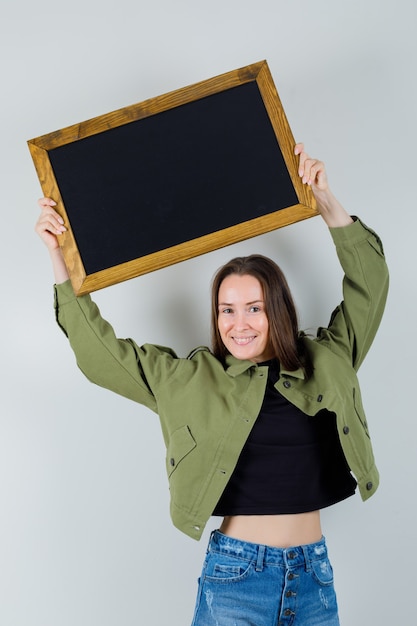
(172,177)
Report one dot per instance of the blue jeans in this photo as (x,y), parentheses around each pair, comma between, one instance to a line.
(245,584)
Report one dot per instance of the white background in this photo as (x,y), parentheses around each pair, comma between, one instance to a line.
(85,535)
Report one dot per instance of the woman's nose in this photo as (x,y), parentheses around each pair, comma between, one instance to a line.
(241,321)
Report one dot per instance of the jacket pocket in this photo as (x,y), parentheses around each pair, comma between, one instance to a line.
(357,402)
(180,444)
(376,244)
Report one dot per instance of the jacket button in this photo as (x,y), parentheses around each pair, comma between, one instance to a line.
(346,430)
(319,398)
(172,462)
(287,384)
(369,486)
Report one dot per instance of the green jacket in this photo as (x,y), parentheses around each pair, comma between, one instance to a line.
(207,410)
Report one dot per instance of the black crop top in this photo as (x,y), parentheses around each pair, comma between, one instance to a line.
(291,462)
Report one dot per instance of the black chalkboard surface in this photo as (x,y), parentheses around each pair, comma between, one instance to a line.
(173,177)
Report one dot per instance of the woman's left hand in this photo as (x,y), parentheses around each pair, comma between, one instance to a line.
(311,171)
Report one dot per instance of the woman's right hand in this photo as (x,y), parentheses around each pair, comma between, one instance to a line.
(50,224)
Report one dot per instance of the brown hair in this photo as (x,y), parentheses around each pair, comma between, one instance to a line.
(279,307)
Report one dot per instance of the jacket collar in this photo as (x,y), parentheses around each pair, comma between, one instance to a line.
(235,367)
(294,374)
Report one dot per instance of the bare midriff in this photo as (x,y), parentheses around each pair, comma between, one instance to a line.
(280,531)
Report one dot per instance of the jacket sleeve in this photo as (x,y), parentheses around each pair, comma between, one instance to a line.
(355,321)
(116,364)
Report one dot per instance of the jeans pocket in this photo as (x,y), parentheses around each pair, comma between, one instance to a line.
(322,571)
(224,568)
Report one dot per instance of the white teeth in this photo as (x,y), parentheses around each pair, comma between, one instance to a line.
(242,340)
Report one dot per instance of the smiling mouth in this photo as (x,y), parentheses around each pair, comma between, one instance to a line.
(243,341)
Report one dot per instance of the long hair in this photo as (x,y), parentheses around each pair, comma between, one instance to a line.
(279,308)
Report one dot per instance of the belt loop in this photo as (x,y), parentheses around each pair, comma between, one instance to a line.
(210,541)
(260,559)
(306,558)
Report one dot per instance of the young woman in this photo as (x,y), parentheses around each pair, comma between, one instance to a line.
(263,430)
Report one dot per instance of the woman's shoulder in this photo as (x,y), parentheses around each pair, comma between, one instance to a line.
(197,352)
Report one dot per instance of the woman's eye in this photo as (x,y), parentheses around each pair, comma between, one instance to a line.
(255,309)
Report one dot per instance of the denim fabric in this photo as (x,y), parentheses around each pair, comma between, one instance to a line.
(245,584)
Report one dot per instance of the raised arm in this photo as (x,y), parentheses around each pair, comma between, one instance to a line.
(49,227)
(313,173)
(355,321)
(116,364)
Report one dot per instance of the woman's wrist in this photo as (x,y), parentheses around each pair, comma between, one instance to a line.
(331,210)
(60,269)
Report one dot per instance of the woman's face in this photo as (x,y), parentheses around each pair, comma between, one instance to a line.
(242,321)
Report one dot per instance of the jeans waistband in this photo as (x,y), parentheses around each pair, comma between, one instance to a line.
(268,555)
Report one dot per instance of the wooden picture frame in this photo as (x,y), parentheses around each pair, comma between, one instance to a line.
(172,177)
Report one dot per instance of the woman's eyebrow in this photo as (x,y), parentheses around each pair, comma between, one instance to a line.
(246,304)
